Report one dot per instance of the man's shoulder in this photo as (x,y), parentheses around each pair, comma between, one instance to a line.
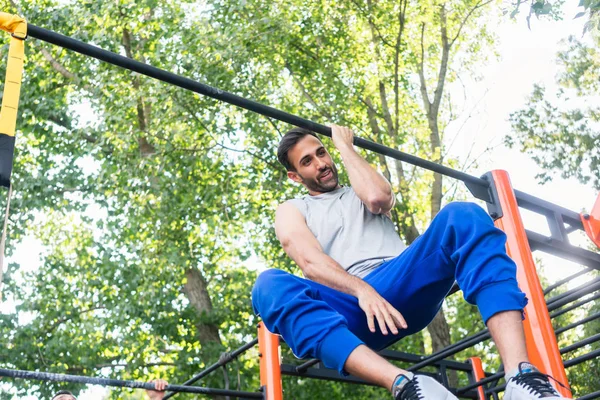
(299,203)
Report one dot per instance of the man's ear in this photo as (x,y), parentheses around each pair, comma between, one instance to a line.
(294,176)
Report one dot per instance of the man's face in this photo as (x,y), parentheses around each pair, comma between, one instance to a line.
(64,397)
(314,166)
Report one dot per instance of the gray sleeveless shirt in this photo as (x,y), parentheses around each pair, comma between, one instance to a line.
(348,232)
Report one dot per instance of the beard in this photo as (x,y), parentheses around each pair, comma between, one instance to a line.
(322,186)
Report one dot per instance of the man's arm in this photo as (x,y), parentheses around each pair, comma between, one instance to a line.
(301,245)
(370,186)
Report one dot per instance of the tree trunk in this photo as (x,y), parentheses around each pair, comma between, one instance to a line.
(196,292)
(438,329)
(440,338)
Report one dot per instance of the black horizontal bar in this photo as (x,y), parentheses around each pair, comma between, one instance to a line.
(591,396)
(223,361)
(322,373)
(483,381)
(87,380)
(303,367)
(401,356)
(496,389)
(573,296)
(482,335)
(580,344)
(541,206)
(594,283)
(567,364)
(218,94)
(558,248)
(574,306)
(577,323)
(453,349)
(332,375)
(500,388)
(409,357)
(565,280)
(582,358)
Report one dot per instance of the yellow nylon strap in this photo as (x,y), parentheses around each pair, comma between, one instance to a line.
(17,26)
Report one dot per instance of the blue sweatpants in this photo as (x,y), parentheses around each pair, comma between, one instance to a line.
(461,244)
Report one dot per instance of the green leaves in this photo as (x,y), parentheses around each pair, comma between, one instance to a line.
(563,139)
(155,206)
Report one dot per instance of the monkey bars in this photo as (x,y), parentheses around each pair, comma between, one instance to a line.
(494,188)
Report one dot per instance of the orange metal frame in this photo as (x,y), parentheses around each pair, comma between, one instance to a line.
(541,341)
(542,346)
(478,374)
(591,222)
(270,364)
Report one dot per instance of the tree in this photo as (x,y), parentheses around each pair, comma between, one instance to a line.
(150,211)
(553,9)
(559,131)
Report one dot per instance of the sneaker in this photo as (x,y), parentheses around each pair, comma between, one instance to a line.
(420,387)
(530,384)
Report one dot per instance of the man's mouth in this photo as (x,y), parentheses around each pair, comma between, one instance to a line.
(325,174)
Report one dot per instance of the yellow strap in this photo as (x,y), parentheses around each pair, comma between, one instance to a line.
(14,71)
(13,24)
(17,27)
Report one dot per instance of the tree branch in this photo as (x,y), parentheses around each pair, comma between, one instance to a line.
(386,110)
(479,5)
(316,58)
(57,323)
(439,90)
(367,14)
(65,72)
(306,94)
(421,70)
(193,115)
(146,149)
(401,19)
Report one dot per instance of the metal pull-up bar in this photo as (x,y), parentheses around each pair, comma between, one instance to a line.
(477,186)
(86,380)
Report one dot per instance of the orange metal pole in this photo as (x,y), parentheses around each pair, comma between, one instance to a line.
(270,365)
(591,222)
(542,346)
(478,374)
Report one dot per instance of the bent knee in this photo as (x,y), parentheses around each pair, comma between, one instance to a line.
(268,279)
(462,209)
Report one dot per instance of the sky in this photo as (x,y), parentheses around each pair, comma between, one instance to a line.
(526,56)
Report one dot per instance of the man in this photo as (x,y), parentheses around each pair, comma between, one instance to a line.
(365,290)
(157,394)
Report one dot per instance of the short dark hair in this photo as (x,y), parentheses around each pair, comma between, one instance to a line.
(63,392)
(288,141)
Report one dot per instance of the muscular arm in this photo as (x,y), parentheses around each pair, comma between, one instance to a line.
(370,186)
(301,245)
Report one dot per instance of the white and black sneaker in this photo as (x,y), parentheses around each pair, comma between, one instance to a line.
(530,384)
(419,387)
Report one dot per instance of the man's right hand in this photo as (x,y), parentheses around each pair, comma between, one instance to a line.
(376,307)
(159,392)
